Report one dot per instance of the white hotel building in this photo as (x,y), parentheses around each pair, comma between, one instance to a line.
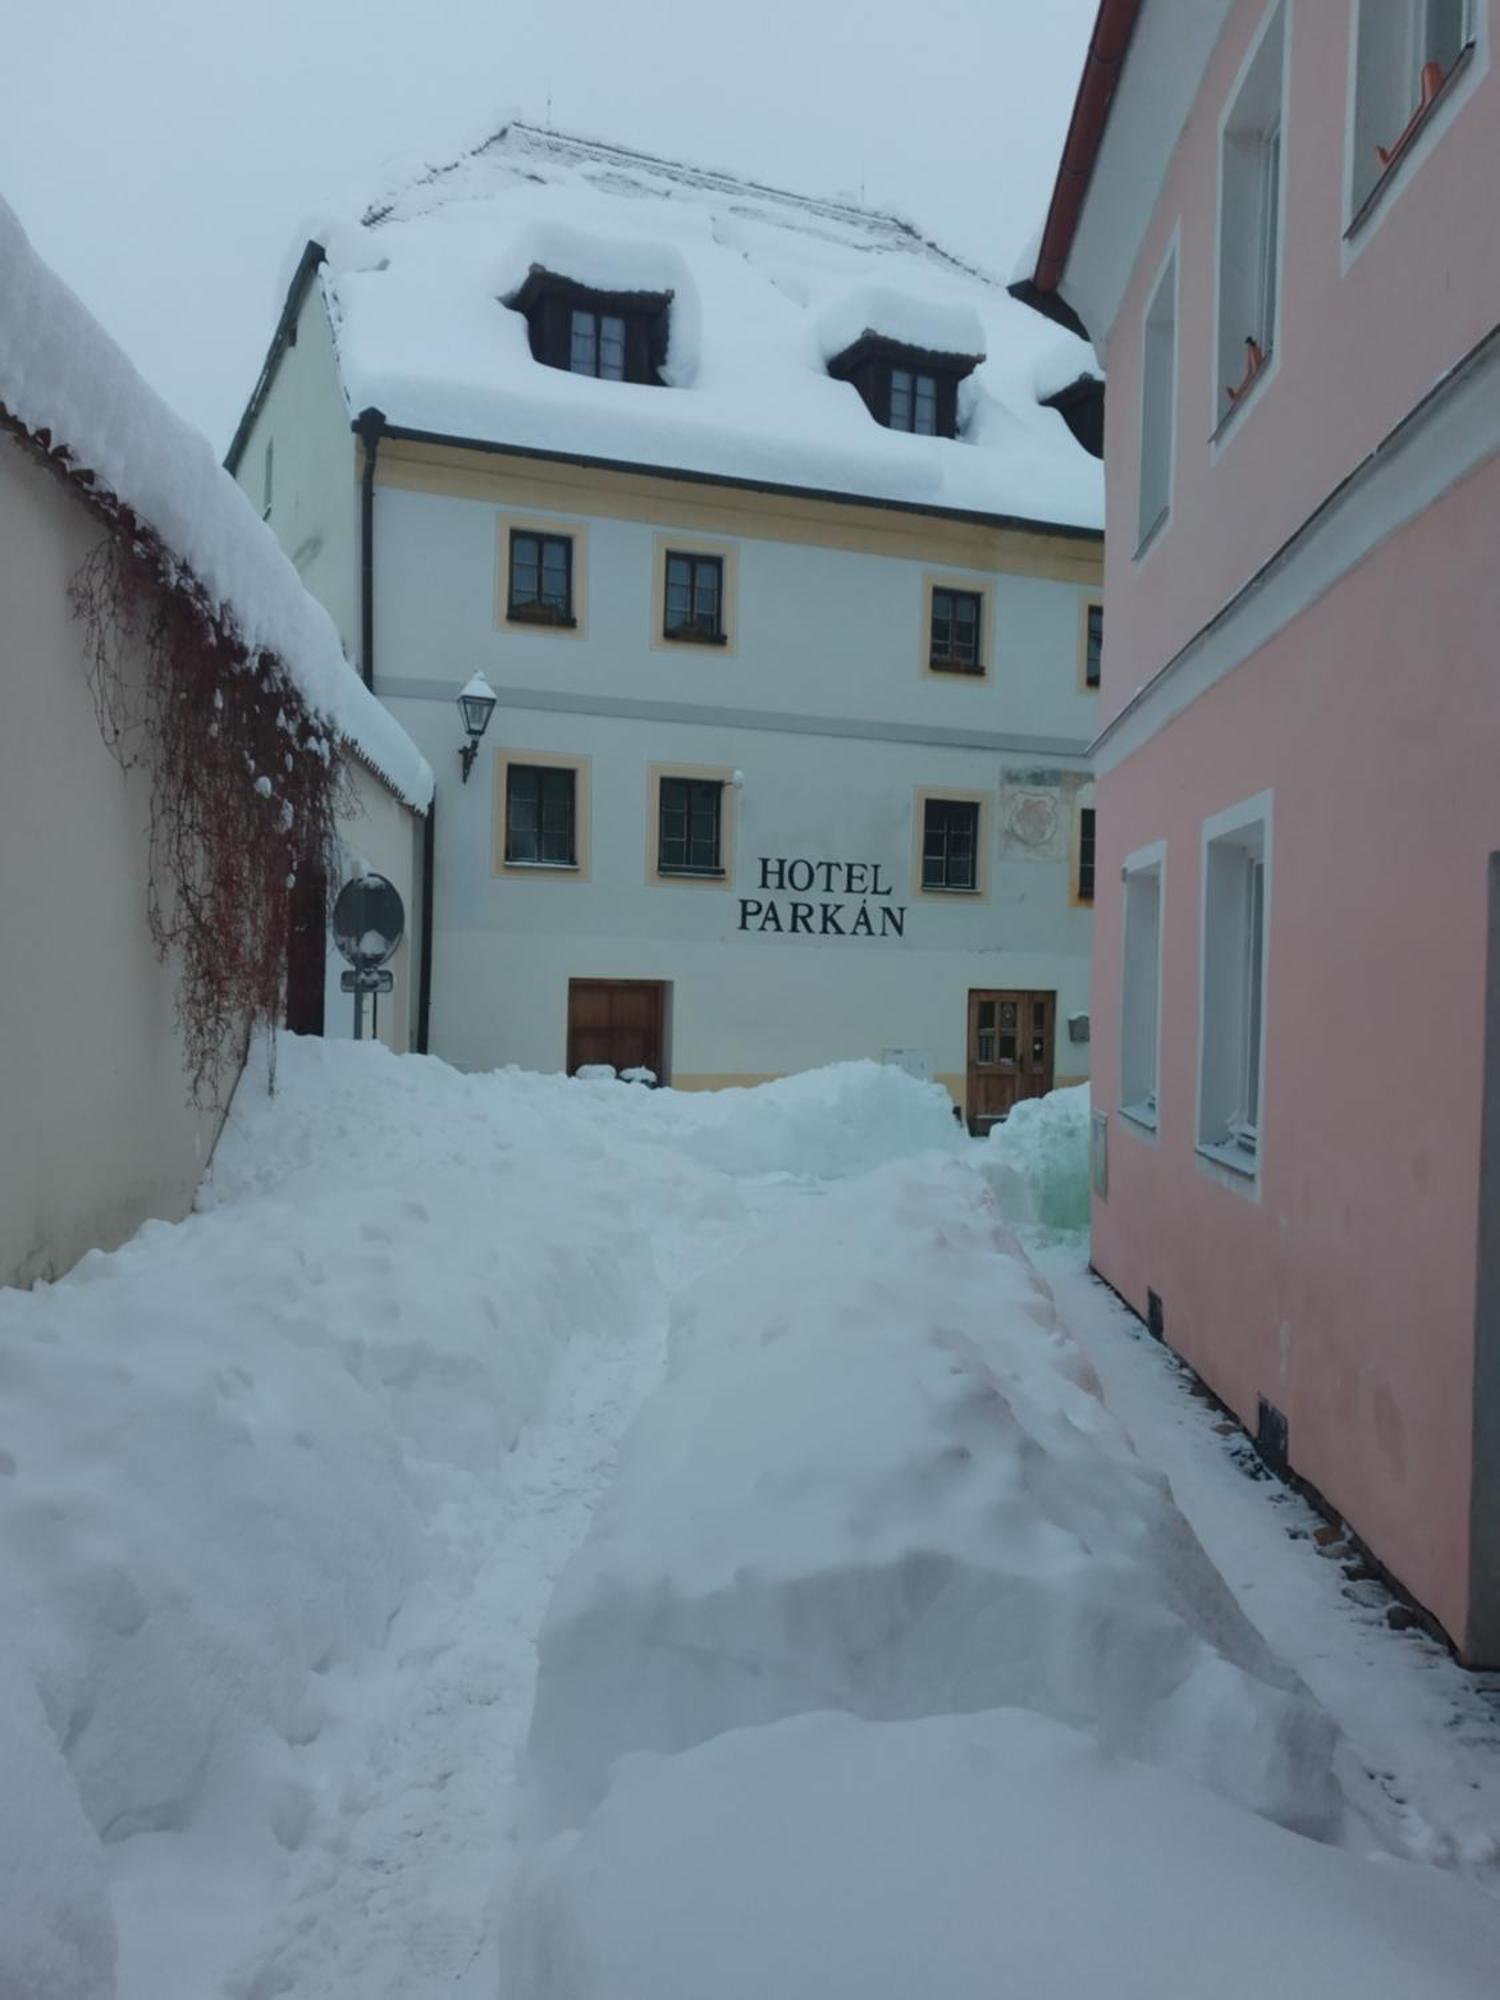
(786,581)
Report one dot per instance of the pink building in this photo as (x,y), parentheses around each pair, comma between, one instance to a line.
(1279,221)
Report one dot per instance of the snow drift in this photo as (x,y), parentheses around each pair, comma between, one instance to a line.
(1037,1162)
(972,1857)
(878,1479)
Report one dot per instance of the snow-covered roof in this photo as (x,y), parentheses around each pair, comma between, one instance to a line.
(61,373)
(766,287)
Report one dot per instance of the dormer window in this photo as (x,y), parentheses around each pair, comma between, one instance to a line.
(613,336)
(905,388)
(597,344)
(913,402)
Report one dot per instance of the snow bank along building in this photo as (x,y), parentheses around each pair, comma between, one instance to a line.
(98,1126)
(1277,222)
(785,579)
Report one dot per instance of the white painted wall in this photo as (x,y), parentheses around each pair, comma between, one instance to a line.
(96,1132)
(314,489)
(820,631)
(742,1003)
(379,834)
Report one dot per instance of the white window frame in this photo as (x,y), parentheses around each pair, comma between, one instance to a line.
(1365,212)
(1267,252)
(1140,1109)
(1149,530)
(1230,1115)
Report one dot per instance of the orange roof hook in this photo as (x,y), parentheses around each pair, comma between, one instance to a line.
(1434,76)
(1255,360)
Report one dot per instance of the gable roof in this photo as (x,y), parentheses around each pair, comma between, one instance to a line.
(63,378)
(767,286)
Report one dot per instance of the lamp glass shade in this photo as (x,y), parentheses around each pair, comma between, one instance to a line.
(476,704)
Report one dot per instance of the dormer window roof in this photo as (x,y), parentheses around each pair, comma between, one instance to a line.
(615,336)
(905,388)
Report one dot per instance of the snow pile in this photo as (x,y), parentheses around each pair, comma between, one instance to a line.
(1037,1162)
(221,1452)
(61,373)
(878,1479)
(971,1857)
(763,281)
(941,327)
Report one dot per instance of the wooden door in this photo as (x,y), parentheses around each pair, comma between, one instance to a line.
(615,1021)
(1010,1052)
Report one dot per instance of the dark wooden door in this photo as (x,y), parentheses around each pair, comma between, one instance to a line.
(1010,1052)
(615,1021)
(307,951)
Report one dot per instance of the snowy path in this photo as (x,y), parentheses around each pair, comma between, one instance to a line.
(1421,1757)
(395,1889)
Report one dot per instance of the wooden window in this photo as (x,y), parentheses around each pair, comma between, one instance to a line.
(950,844)
(541,578)
(1086,854)
(693,604)
(955,637)
(1093,645)
(690,827)
(913,402)
(614,336)
(597,344)
(540,816)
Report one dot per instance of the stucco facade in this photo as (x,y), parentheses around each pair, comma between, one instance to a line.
(1306,641)
(98,1132)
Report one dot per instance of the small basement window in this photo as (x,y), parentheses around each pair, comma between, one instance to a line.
(954,642)
(950,844)
(541,578)
(1250,222)
(613,336)
(694,598)
(1406,54)
(905,388)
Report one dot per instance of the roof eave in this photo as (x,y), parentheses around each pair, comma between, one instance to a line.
(1109,45)
(638,469)
(307,264)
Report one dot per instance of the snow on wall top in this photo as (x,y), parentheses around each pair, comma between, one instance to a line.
(60,372)
(766,286)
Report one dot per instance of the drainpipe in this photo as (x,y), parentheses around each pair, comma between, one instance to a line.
(424,972)
(369,424)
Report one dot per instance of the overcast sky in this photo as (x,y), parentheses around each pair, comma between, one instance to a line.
(166,155)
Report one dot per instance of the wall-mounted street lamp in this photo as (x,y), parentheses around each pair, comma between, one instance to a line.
(476,704)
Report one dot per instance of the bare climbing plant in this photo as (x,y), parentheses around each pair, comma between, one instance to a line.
(244,780)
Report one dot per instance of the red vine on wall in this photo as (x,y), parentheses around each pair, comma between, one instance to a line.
(244,779)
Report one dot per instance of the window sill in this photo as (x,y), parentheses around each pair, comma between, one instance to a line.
(1235,1158)
(1247,398)
(1376,198)
(691,874)
(540,621)
(696,638)
(1141,1116)
(542,867)
(1153,534)
(942,889)
(952,672)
